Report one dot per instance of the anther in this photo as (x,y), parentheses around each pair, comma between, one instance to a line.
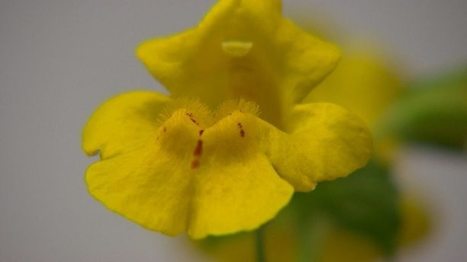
(237,48)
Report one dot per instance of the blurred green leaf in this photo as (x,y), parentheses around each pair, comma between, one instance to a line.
(433,111)
(366,203)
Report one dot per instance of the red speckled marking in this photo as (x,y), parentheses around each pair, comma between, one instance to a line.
(201,132)
(242,132)
(199,148)
(197,154)
(192,118)
(195,164)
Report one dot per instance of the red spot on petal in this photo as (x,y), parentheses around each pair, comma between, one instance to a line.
(242,132)
(201,132)
(195,164)
(199,148)
(194,121)
(197,154)
(192,118)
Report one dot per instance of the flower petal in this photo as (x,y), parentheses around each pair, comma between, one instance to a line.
(186,173)
(242,49)
(237,188)
(124,122)
(323,142)
(179,174)
(236,197)
(144,186)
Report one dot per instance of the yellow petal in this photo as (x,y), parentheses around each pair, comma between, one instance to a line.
(324,142)
(417,220)
(184,170)
(242,49)
(237,187)
(144,186)
(134,178)
(124,122)
(173,166)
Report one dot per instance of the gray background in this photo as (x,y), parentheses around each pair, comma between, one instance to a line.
(59,59)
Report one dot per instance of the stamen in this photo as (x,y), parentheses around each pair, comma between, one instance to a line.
(237,48)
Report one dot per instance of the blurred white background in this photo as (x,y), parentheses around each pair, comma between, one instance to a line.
(59,59)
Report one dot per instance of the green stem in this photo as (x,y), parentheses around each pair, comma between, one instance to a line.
(311,233)
(260,250)
(305,244)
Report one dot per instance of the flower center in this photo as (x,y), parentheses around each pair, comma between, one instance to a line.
(195,135)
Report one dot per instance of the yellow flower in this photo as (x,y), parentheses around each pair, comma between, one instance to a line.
(241,49)
(225,152)
(364,83)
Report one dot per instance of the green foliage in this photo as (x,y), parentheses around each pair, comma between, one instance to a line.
(433,111)
(366,203)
